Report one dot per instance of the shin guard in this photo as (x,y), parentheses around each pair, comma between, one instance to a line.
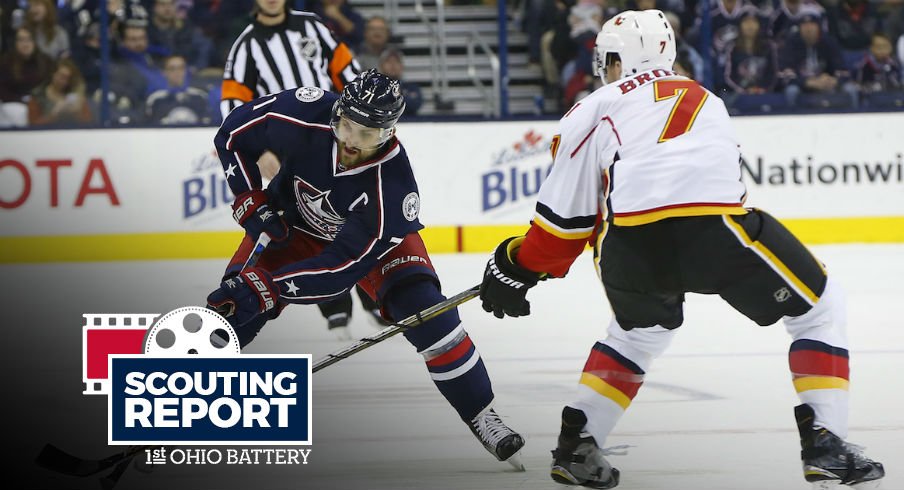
(452,359)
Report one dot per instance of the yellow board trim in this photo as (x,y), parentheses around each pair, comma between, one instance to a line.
(808,383)
(603,388)
(439,240)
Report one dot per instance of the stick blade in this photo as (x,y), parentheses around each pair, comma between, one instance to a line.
(110,481)
(54,458)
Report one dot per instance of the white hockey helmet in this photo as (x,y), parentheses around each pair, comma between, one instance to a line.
(642,40)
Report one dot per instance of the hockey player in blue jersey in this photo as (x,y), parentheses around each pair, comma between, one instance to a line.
(343,210)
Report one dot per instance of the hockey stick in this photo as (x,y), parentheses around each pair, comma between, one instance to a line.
(55,459)
(262,241)
(398,327)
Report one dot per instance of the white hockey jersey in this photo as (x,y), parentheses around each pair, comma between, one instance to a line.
(652,146)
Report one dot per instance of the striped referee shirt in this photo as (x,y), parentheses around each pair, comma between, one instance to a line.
(300,52)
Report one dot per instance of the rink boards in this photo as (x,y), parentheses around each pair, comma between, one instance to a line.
(160,193)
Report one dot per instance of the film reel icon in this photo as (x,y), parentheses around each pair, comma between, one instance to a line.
(192,330)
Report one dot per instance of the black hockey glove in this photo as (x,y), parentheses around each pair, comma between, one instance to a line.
(505,283)
(242,298)
(252,212)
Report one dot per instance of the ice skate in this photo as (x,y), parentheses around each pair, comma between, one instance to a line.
(828,461)
(337,323)
(578,460)
(501,441)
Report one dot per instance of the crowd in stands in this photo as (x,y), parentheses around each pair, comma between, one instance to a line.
(764,54)
(165,63)
(167,56)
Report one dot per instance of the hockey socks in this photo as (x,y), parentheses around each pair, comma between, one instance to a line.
(608,384)
(451,357)
(820,374)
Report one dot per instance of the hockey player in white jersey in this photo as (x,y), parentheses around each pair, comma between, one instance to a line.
(646,169)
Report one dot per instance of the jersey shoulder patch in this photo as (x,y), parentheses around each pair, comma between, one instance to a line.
(411,206)
(309,94)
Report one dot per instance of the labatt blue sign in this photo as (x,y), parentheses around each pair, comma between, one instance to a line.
(517,173)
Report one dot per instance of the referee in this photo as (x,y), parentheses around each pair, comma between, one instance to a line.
(283,49)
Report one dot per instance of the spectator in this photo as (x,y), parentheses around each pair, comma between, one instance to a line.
(852,23)
(901,54)
(24,69)
(392,64)
(556,50)
(221,22)
(537,17)
(688,61)
(51,38)
(642,4)
(134,75)
(786,18)
(178,103)
(879,71)
(812,62)
(169,34)
(61,101)
(7,7)
(585,20)
(752,64)
(342,19)
(86,54)
(376,42)
(79,15)
(725,16)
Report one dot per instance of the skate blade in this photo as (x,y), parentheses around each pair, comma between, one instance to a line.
(837,485)
(868,485)
(563,477)
(515,461)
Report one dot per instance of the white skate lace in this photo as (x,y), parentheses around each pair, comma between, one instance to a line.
(490,428)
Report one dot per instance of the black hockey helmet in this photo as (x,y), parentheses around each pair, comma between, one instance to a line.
(373,100)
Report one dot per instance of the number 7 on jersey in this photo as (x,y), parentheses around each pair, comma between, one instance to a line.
(691,97)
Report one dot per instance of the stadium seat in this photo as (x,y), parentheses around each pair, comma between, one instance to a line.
(759,104)
(826,101)
(884,100)
(851,58)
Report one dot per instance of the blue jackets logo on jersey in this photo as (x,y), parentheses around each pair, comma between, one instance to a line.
(316,210)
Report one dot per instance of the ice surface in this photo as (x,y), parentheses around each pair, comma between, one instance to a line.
(715,411)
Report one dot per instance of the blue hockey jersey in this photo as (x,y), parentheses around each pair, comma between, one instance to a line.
(361,213)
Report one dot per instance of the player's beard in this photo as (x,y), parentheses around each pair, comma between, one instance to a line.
(351,157)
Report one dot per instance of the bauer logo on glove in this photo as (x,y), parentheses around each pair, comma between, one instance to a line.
(255,215)
(242,298)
